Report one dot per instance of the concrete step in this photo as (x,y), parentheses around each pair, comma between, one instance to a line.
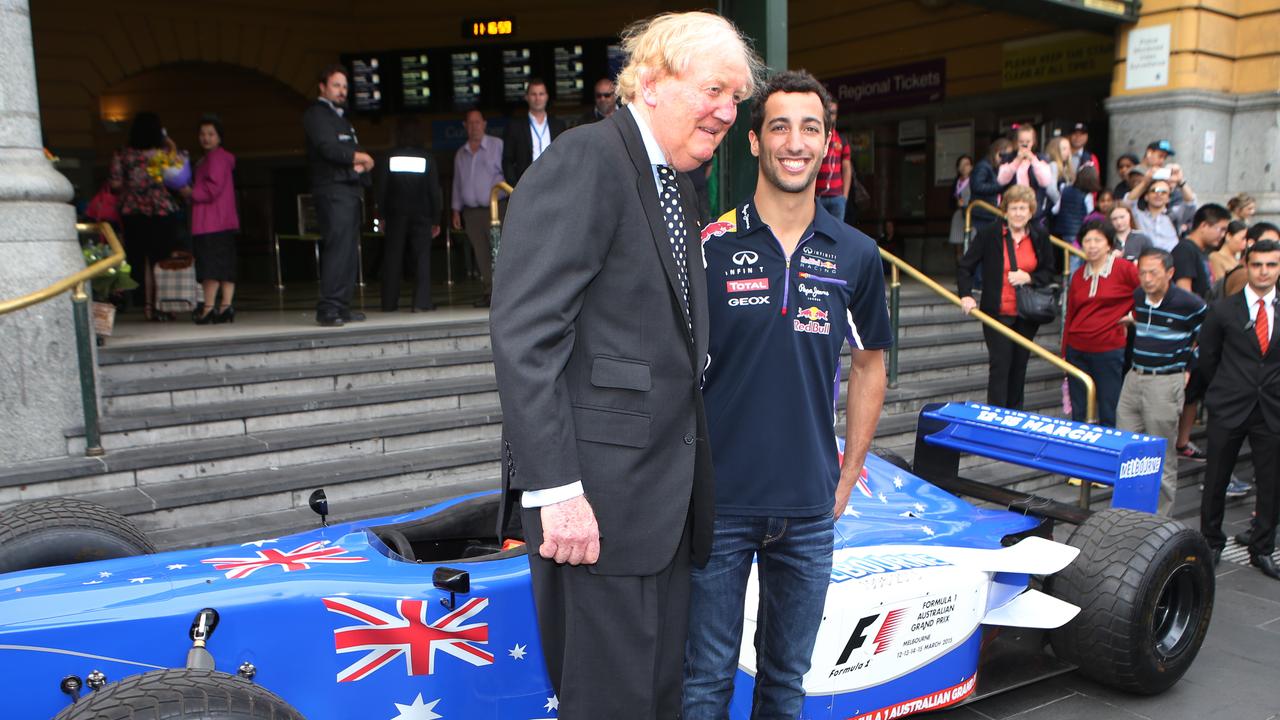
(141,470)
(143,428)
(198,389)
(304,347)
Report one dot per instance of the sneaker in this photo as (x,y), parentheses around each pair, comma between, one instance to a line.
(1238,488)
(1191,452)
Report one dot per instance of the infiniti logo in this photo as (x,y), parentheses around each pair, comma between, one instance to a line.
(745,257)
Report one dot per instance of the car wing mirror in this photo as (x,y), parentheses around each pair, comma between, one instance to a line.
(452,581)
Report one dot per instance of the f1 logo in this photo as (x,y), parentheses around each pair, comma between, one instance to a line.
(858,638)
(745,257)
(885,636)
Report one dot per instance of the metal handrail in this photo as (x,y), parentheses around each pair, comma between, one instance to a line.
(79,304)
(495,222)
(73,281)
(897,264)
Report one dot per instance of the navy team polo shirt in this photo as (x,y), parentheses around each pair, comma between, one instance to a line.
(777,326)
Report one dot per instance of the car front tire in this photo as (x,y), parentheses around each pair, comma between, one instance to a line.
(181,694)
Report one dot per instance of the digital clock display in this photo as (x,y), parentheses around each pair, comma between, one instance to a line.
(488,27)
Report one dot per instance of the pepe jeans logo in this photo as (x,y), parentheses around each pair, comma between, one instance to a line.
(745,257)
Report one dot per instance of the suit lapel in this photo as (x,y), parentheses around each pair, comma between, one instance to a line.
(648,190)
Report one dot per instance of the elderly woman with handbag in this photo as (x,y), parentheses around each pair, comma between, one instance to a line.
(1017,272)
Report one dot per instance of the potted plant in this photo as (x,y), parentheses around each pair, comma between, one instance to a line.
(107,288)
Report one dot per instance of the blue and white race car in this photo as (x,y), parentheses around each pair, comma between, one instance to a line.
(933,601)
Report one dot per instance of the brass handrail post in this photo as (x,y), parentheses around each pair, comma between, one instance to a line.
(88,385)
(895,304)
(495,222)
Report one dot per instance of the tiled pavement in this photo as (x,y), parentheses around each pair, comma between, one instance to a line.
(1234,677)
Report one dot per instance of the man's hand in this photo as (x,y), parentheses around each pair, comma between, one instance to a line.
(435,231)
(1175,173)
(967,304)
(569,532)
(457,220)
(362,162)
(1127,320)
(843,492)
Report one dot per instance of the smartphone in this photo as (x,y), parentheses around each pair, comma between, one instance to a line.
(1161,174)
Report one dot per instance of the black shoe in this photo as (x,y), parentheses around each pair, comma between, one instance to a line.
(1266,565)
(1244,538)
(1217,557)
(428,308)
(200,317)
(226,315)
(353,316)
(483,302)
(329,321)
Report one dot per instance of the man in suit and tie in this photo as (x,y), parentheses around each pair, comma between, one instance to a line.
(527,137)
(1242,367)
(599,328)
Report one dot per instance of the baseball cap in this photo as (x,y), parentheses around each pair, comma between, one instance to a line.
(1163,145)
(1138,170)
(1079,127)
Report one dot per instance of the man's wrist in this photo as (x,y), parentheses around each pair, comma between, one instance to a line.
(550,496)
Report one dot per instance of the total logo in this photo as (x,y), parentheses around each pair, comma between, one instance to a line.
(745,301)
(751,285)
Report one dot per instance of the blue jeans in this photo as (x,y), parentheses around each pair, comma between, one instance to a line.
(794,556)
(1107,371)
(835,204)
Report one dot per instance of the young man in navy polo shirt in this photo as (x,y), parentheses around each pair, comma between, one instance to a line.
(787,284)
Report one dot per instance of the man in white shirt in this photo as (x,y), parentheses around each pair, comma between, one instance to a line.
(528,136)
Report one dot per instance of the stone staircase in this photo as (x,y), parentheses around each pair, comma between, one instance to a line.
(213,442)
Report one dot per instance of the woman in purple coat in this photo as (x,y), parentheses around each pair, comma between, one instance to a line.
(214,224)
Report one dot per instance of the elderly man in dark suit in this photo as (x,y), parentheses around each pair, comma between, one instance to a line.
(599,327)
(1241,365)
(528,136)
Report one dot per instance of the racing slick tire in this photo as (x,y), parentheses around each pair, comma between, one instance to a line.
(64,531)
(891,457)
(181,694)
(1144,585)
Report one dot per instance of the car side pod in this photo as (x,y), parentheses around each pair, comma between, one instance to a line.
(202,627)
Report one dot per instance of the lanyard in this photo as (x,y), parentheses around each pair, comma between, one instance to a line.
(539,134)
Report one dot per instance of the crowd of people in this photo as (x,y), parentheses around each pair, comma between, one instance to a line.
(1170,308)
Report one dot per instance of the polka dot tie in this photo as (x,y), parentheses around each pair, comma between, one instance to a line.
(673,215)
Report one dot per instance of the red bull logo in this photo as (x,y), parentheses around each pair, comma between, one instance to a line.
(716,229)
(812,313)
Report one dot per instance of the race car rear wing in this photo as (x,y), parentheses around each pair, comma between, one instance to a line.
(1130,462)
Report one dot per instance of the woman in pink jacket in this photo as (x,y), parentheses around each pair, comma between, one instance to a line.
(214,225)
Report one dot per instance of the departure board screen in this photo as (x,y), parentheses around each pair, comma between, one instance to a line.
(415,81)
(365,84)
(570,74)
(517,68)
(465,67)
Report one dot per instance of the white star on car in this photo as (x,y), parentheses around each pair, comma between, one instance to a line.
(553,703)
(919,507)
(139,580)
(897,481)
(517,652)
(927,530)
(418,710)
(175,566)
(882,498)
(104,574)
(258,543)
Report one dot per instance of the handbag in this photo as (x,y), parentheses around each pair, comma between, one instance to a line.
(176,287)
(1036,304)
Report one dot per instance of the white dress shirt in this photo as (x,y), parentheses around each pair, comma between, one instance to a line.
(540,134)
(1269,302)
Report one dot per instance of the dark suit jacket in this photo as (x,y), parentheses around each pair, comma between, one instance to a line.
(987,247)
(598,379)
(1239,378)
(517,145)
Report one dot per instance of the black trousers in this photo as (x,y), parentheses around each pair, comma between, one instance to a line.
(417,231)
(1007,369)
(338,214)
(613,645)
(1224,449)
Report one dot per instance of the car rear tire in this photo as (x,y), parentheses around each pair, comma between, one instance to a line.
(181,694)
(1145,588)
(64,531)
(891,457)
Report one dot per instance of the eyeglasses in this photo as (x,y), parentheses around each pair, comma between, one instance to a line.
(1159,191)
(604,95)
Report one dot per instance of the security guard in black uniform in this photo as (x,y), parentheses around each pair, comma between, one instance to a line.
(339,173)
(410,203)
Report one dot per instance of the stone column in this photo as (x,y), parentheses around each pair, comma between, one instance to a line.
(39,386)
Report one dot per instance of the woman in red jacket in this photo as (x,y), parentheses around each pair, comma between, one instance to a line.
(1101,292)
(214,224)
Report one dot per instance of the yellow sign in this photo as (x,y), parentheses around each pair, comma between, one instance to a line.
(1058,57)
